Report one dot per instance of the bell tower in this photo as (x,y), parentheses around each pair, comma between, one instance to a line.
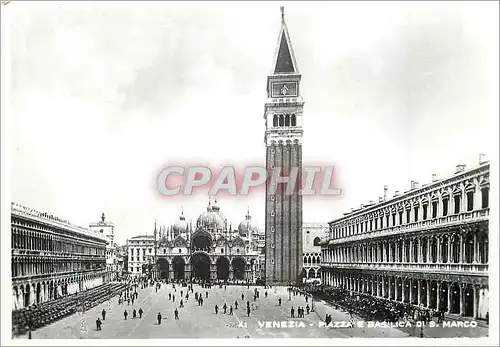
(283,139)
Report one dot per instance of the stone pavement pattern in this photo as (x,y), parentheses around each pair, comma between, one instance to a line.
(202,322)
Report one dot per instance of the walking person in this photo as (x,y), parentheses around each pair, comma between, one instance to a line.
(98,324)
(206,294)
(248,311)
(134,314)
(236,304)
(181,304)
(158,317)
(169,296)
(308,308)
(103,314)
(231,310)
(125,314)
(224,308)
(140,312)
(279,301)
(176,314)
(242,296)
(216,309)
(292,312)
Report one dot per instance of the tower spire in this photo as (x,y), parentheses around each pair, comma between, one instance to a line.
(284,61)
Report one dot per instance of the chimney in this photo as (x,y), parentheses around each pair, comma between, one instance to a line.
(481,158)
(385,193)
(414,185)
(396,193)
(460,168)
(434,177)
(380,199)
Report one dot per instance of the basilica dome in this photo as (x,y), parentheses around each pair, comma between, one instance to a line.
(181,226)
(247,227)
(212,218)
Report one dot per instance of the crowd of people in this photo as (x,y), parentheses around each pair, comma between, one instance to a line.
(373,308)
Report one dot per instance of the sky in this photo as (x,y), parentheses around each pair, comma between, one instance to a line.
(102,96)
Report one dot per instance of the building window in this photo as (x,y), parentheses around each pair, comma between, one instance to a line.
(150,251)
(272,228)
(400,217)
(424,210)
(415,214)
(237,250)
(446,202)
(457,203)
(137,269)
(408,216)
(316,241)
(393,219)
(470,201)
(164,251)
(485,197)
(131,269)
(180,251)
(434,209)
(222,250)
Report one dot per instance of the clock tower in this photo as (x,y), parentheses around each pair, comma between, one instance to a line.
(283,139)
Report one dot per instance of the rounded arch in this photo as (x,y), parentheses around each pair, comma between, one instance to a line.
(222,265)
(281,120)
(178,267)
(239,268)
(163,268)
(275,120)
(202,242)
(287,120)
(200,266)
(293,120)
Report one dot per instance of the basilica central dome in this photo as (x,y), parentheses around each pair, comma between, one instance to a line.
(212,219)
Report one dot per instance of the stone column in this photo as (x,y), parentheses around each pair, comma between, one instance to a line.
(410,260)
(383,287)
(462,249)
(462,306)
(438,295)
(438,246)
(449,257)
(428,249)
(403,290)
(475,301)
(428,294)
(419,289)
(449,297)
(476,253)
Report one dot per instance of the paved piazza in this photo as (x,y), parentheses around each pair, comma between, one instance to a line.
(202,322)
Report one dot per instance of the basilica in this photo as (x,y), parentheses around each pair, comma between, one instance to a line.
(208,250)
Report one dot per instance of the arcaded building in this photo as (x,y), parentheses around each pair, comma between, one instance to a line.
(52,258)
(427,246)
